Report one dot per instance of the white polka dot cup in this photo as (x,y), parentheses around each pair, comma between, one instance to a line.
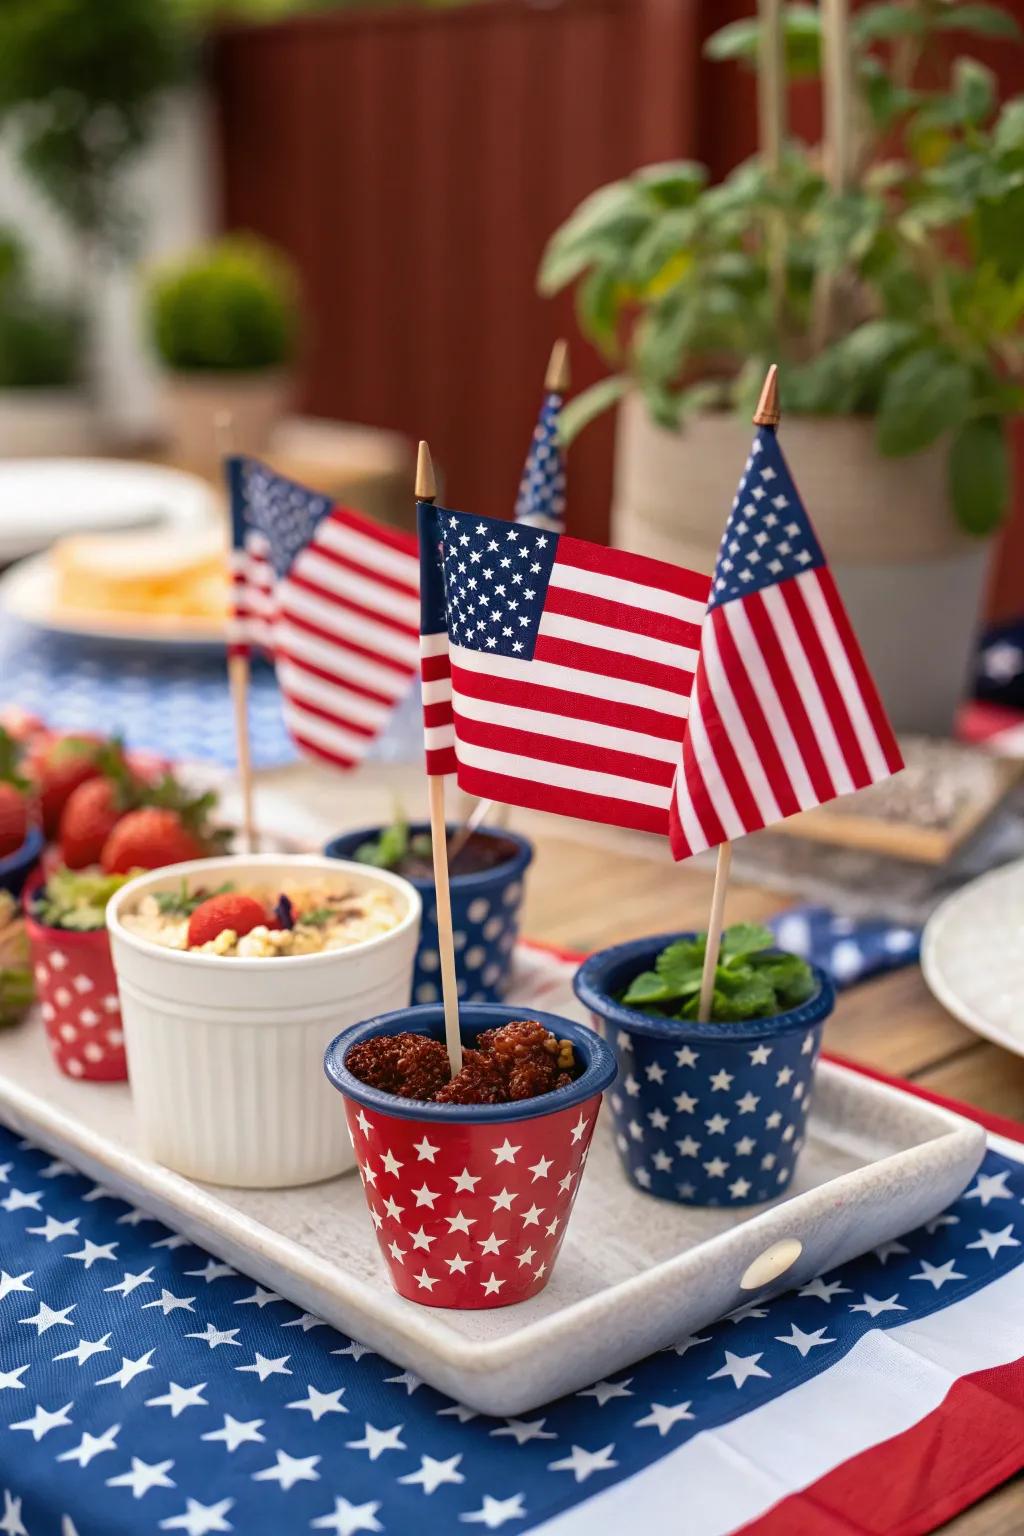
(471,1201)
(226,1052)
(485,918)
(705,1114)
(77,993)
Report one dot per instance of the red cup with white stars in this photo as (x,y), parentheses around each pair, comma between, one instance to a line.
(471,1201)
(77,992)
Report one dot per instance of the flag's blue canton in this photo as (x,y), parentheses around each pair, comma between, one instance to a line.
(542,488)
(285,513)
(495,580)
(768,537)
(145,1387)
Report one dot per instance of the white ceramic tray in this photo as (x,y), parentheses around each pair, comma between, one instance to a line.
(634,1275)
(973,958)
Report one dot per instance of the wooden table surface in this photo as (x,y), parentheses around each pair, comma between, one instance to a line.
(590,886)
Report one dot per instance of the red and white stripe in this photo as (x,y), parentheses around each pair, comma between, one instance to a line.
(342,628)
(591,725)
(784,715)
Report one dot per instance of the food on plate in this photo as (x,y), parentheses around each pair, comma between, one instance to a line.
(74,899)
(753,979)
(143,572)
(264,922)
(409,853)
(518,1060)
(16,989)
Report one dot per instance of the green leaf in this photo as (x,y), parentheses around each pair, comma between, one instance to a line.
(979,473)
(925,395)
(581,410)
(675,183)
(389,849)
(1009,129)
(604,226)
(974,87)
(755,999)
(597,307)
(646,988)
(986,20)
(745,939)
(879,23)
(801,40)
(681,966)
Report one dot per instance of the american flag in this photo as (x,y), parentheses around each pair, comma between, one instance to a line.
(784,714)
(332,597)
(556,673)
(541,499)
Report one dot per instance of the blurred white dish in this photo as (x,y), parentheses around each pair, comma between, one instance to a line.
(972,955)
(44,499)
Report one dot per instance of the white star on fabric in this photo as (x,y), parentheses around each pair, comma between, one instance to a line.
(492,1285)
(407,1379)
(688,1147)
(52,1229)
(143,1476)
(773,1120)
(532,1217)
(990,1186)
(457,1264)
(200,1519)
(506,1153)
(874,1308)
(686,1056)
(460,1222)
(655,1073)
(259,1298)
(466,1182)
(91,1252)
(421,1238)
(524,1430)
(663,1419)
(355,1349)
(993,1241)
(236,1432)
(45,1419)
(739,1189)
(783,1076)
(425,1152)
(823,1289)
(685,1103)
(377,1441)
(317,1403)
(85,1349)
(658,1119)
(347,1519)
(394,1210)
(11,1524)
(211,1270)
(583,1464)
(662,1161)
(936,1275)
(885,1251)
(425,1281)
(390,1163)
(503,1200)
(130,1282)
(91,1446)
(759,1055)
(717,1124)
(129,1370)
(47,1317)
(262,1367)
(804,1342)
(289,1470)
(10,1283)
(433,1473)
(177,1399)
(11,1380)
(540,1168)
(494,1512)
(216,1336)
(721,1081)
(715,1168)
(19,1200)
(739,1368)
(748,1103)
(744,1146)
(168,1303)
(604,1391)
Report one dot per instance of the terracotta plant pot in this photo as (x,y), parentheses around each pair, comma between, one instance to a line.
(912,581)
(705,1114)
(77,993)
(192,402)
(471,1201)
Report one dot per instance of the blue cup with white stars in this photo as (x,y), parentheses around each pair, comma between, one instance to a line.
(486,907)
(705,1114)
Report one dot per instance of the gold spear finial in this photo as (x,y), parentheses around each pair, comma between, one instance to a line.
(556,380)
(426,485)
(767,413)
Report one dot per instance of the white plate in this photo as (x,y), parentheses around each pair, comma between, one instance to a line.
(633,1276)
(44,499)
(972,955)
(28,592)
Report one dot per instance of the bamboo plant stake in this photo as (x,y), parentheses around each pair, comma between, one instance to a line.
(772,122)
(556,382)
(426,490)
(766,415)
(838,143)
(238,670)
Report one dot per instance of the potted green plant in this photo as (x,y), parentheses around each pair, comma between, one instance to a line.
(224,322)
(893,300)
(43,406)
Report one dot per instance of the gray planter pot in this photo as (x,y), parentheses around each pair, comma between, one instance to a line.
(913,583)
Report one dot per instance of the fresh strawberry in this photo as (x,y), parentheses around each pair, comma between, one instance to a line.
(90,815)
(232,910)
(57,766)
(14,808)
(149,838)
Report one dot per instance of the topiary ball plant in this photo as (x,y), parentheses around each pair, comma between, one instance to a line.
(232,307)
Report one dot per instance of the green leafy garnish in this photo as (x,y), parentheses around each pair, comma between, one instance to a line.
(75,899)
(182,902)
(753,979)
(389,848)
(317,917)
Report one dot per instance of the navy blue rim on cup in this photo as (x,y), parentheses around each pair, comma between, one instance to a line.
(611,970)
(598,1063)
(17,866)
(345,844)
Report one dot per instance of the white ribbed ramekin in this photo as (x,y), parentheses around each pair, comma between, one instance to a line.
(225,1054)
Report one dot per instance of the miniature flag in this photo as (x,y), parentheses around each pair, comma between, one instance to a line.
(332,597)
(541,499)
(556,673)
(784,714)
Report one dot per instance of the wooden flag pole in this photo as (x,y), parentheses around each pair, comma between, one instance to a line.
(426,490)
(556,380)
(766,415)
(238,672)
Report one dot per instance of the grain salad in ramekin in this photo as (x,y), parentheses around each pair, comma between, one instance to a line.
(225,1050)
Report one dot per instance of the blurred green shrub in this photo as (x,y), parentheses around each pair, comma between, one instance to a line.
(41,339)
(232,307)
